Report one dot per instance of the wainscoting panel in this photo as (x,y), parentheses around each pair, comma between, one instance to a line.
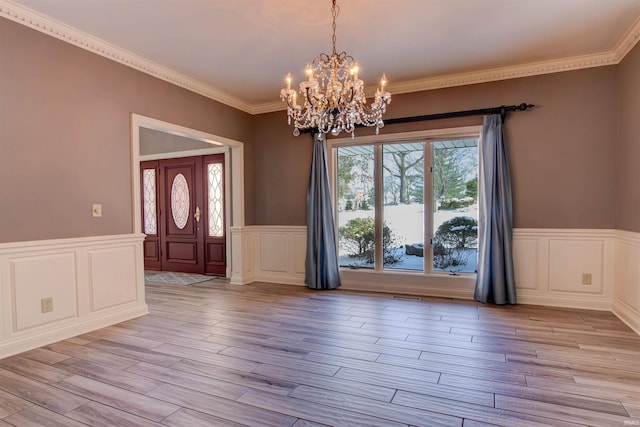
(570,260)
(525,260)
(274,252)
(91,282)
(552,264)
(278,254)
(36,278)
(110,286)
(626,302)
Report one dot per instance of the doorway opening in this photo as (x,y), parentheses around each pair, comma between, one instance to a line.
(192,158)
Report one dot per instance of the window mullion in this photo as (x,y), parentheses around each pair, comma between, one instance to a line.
(379,204)
(428,207)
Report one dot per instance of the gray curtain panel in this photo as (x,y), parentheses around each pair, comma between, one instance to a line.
(495,281)
(322,270)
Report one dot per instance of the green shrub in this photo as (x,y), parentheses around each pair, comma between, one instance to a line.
(454,203)
(452,239)
(357,238)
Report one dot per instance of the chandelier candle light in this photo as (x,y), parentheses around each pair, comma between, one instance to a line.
(333,95)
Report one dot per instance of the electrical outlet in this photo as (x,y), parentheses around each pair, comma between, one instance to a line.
(586,278)
(46,304)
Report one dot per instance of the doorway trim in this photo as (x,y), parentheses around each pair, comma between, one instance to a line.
(234,159)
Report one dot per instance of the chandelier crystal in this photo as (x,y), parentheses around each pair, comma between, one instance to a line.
(333,97)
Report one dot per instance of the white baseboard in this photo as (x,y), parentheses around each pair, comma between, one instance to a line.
(69,330)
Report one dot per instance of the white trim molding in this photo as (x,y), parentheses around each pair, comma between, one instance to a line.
(92,282)
(54,28)
(274,254)
(626,300)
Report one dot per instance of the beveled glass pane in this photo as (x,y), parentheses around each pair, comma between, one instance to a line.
(180,202)
(149,201)
(216,202)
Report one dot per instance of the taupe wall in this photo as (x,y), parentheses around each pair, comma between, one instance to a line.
(65,141)
(628,177)
(562,154)
(65,135)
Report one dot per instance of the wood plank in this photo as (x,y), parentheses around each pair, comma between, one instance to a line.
(34,370)
(187,380)
(134,403)
(364,389)
(599,391)
(245,378)
(544,394)
(379,347)
(382,410)
(98,415)
(43,355)
(10,404)
(559,412)
(37,416)
(417,385)
(187,417)
(229,410)
(115,377)
(155,356)
(114,361)
(41,394)
(227,361)
(317,412)
(285,361)
(480,413)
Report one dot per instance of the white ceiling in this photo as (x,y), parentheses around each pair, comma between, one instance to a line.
(242,49)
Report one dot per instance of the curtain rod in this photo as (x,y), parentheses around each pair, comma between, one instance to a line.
(502,110)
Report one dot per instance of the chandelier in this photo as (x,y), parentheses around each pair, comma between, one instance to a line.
(333,97)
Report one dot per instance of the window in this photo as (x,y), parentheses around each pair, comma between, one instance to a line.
(408,205)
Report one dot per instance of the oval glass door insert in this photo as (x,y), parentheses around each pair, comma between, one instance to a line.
(180,201)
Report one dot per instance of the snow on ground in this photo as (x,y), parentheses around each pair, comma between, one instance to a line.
(406,221)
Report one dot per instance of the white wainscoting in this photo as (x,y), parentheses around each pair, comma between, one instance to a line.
(550,263)
(274,254)
(549,266)
(626,299)
(93,282)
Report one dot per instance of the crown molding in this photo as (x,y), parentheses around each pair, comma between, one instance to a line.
(628,41)
(44,24)
(59,30)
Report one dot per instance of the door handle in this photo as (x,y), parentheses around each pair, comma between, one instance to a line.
(197,215)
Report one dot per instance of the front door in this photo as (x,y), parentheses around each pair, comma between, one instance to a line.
(181,231)
(183,215)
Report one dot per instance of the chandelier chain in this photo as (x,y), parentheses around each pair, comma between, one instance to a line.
(334,13)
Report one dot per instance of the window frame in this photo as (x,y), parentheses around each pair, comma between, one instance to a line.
(378,141)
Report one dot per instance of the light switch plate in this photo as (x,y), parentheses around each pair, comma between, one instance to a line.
(96,210)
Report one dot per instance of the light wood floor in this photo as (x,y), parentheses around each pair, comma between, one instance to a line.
(272,355)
